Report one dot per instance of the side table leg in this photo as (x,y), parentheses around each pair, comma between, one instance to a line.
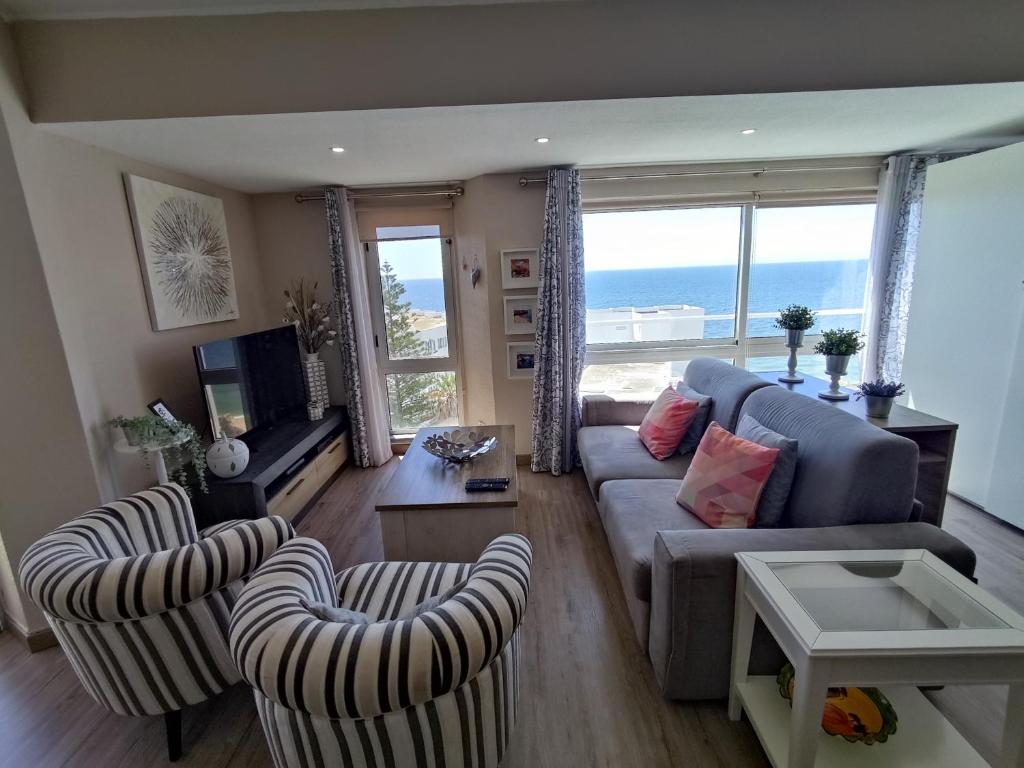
(809,691)
(1013,729)
(744,617)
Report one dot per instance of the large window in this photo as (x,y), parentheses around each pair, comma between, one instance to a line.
(664,286)
(413,306)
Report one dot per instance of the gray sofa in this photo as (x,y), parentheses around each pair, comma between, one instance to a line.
(853,489)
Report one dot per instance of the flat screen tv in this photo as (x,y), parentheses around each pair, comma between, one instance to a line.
(253,382)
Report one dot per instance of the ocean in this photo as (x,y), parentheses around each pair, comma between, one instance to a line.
(817,284)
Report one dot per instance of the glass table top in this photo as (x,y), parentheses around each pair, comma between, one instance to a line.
(881,596)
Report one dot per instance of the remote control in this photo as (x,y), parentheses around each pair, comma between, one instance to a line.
(485,487)
(476,480)
(488,485)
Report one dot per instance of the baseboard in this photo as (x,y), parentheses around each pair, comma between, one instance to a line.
(35,641)
(523,459)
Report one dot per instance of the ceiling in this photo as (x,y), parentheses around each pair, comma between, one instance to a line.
(98,9)
(273,153)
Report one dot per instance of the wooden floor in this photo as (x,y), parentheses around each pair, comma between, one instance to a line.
(588,696)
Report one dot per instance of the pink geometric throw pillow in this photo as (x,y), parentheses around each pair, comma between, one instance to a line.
(666,422)
(725,479)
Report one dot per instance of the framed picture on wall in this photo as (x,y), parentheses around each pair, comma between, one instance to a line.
(182,240)
(520,268)
(520,315)
(521,359)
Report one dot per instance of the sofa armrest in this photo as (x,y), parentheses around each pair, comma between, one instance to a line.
(693,586)
(602,411)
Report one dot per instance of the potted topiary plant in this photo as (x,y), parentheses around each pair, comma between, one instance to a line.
(837,345)
(173,438)
(879,395)
(794,320)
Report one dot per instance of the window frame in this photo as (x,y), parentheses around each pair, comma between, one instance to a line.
(741,346)
(450,363)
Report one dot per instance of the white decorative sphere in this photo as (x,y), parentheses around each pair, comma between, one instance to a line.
(227,457)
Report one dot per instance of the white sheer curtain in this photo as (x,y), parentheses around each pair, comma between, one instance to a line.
(893,256)
(367,401)
(890,186)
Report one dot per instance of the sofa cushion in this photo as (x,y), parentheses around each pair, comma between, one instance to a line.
(700,421)
(633,511)
(724,482)
(727,385)
(616,453)
(848,471)
(776,491)
(666,422)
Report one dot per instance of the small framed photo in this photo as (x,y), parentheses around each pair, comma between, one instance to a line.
(520,268)
(520,315)
(522,356)
(159,407)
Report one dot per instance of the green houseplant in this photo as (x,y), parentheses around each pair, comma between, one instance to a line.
(837,345)
(879,395)
(794,320)
(174,439)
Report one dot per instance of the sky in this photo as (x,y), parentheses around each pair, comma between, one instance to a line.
(687,237)
(697,237)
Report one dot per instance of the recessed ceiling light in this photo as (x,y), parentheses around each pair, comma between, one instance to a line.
(748,131)
(542,139)
(338,150)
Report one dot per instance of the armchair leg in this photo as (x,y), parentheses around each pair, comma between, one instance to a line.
(172,721)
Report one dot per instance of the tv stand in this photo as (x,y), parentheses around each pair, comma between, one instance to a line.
(289,466)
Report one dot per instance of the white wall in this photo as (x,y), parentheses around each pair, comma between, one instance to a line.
(963,357)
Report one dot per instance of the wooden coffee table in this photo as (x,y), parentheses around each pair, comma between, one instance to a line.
(426,514)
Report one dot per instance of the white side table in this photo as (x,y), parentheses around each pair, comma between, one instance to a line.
(155,452)
(895,619)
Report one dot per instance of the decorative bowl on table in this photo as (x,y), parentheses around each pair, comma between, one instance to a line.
(458,445)
(856,714)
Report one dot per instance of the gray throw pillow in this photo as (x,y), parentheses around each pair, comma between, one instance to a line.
(432,602)
(776,491)
(326,612)
(700,421)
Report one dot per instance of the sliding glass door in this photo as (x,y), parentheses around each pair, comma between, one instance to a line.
(411,289)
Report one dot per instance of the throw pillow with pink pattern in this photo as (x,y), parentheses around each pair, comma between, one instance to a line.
(726,478)
(666,422)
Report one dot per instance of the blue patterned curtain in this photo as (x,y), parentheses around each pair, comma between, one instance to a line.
(894,254)
(367,407)
(561,327)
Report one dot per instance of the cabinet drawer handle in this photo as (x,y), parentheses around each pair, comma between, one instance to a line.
(295,487)
(333,448)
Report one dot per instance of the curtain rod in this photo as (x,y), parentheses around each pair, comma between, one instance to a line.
(302,197)
(525,180)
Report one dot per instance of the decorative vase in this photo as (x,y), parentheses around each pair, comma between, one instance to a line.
(878,407)
(227,457)
(794,340)
(314,410)
(314,374)
(835,367)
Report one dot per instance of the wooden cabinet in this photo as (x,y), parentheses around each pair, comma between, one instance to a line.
(288,466)
(296,494)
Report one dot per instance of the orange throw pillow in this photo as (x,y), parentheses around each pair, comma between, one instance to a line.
(666,422)
(726,478)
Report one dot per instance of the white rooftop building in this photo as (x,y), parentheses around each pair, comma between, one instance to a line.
(631,324)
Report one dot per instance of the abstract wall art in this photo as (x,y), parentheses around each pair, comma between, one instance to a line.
(182,240)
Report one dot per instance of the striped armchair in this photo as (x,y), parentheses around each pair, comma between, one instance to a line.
(141,602)
(439,689)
